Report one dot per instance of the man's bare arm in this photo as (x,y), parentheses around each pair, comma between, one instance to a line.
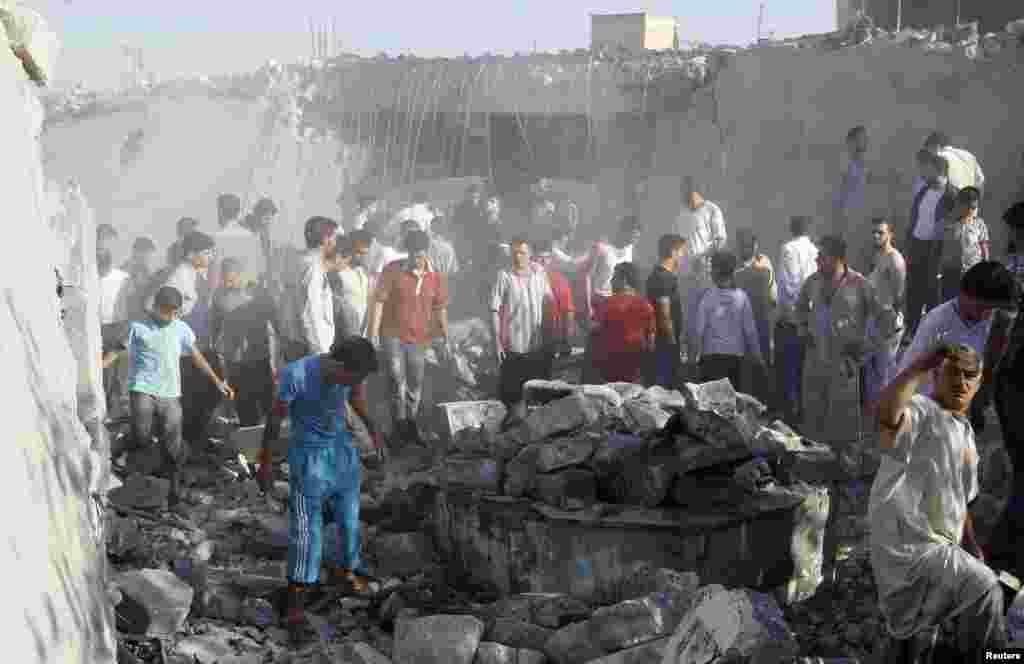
(896,396)
(199,360)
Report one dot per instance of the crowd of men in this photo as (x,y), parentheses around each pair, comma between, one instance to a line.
(896,339)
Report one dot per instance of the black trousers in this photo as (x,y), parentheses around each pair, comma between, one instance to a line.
(716,367)
(199,398)
(519,368)
(922,281)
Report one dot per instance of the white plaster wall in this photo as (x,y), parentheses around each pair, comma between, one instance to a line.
(52,564)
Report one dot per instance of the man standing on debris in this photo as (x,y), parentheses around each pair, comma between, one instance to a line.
(601,265)
(352,285)
(725,332)
(198,402)
(968,319)
(517,323)
(850,201)
(663,294)
(964,169)
(888,280)
(928,212)
(155,347)
(409,306)
(927,562)
(315,299)
(832,315)
(797,262)
(624,334)
(964,242)
(442,253)
(240,337)
(756,278)
(701,222)
(325,469)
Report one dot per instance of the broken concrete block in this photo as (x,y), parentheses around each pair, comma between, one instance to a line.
(644,580)
(123,537)
(401,554)
(689,490)
(640,480)
(569,489)
(722,620)
(716,396)
(693,455)
(258,612)
(457,416)
(567,414)
(518,634)
(546,391)
(220,602)
(555,611)
(218,645)
(644,416)
(648,653)
(507,444)
(671,400)
(606,400)
(165,598)
(520,477)
(574,644)
(352,652)
(611,450)
(628,624)
(773,440)
(562,452)
(141,492)
(516,607)
(496,653)
(441,639)
(475,473)
(628,391)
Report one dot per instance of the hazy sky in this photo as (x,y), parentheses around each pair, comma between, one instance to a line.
(215,36)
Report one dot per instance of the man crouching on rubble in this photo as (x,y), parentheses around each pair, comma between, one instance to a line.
(323,468)
(928,566)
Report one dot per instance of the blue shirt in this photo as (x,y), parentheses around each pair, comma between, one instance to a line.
(315,408)
(154,356)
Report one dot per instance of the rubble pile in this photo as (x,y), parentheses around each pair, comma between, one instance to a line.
(624,444)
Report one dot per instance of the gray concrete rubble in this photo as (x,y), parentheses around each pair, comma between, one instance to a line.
(596,544)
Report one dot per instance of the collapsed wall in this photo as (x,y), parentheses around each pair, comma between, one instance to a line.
(53,475)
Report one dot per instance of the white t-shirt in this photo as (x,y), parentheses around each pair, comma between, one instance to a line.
(702,227)
(925,227)
(111,287)
(606,257)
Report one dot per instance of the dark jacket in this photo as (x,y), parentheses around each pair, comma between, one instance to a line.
(945,207)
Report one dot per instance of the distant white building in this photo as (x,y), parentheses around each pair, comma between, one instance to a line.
(635,32)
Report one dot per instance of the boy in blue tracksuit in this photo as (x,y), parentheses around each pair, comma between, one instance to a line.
(324,467)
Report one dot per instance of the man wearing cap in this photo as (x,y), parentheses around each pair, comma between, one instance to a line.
(927,563)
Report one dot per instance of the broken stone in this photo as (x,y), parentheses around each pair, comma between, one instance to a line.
(719,416)
(606,400)
(574,644)
(643,416)
(219,646)
(546,391)
(220,602)
(628,391)
(258,612)
(401,554)
(670,400)
(567,414)
(123,537)
(518,634)
(648,653)
(508,444)
(628,624)
(570,489)
(640,480)
(555,611)
(807,544)
(458,416)
(496,653)
(479,474)
(164,598)
(517,607)
(644,580)
(746,622)
(520,477)
(693,455)
(141,492)
(352,652)
(441,639)
(689,490)
(563,452)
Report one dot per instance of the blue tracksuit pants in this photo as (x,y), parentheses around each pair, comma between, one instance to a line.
(322,477)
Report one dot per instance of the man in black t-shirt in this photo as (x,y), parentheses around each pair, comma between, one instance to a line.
(663,292)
